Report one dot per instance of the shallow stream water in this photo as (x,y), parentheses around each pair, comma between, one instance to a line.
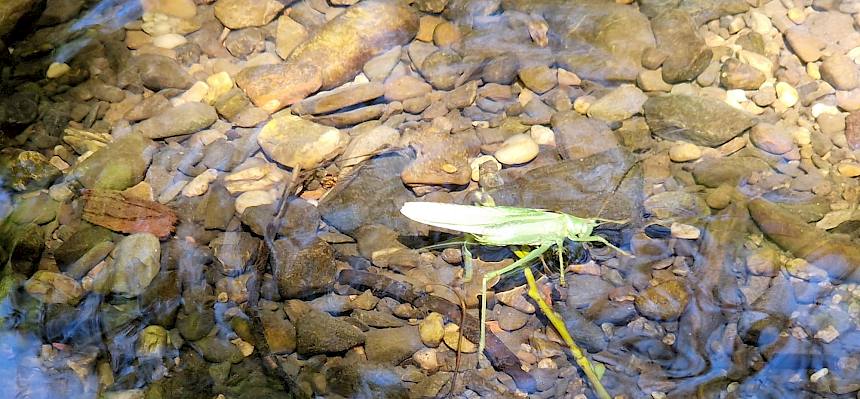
(202,198)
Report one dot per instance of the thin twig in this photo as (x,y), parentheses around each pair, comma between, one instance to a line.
(558,323)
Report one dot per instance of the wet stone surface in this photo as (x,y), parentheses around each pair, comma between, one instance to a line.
(202,198)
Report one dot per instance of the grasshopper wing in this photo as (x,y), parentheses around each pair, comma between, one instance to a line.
(465,218)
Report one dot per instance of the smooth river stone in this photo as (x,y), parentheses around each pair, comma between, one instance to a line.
(698,120)
(838,256)
(333,56)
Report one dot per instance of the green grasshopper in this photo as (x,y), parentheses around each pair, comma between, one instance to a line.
(503,226)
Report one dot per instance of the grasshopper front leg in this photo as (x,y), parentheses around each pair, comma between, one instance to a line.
(534,254)
(561,266)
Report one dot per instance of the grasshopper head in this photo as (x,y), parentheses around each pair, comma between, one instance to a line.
(578,227)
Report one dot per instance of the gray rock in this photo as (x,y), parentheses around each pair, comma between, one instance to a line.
(343,97)
(136,261)
(677,35)
(319,333)
(584,290)
(583,331)
(606,311)
(18,109)
(578,137)
(218,207)
(501,69)
(510,319)
(148,107)
(375,318)
(583,187)
(805,45)
(607,47)
(379,67)
(442,68)
(159,72)
(196,324)
(79,243)
(235,250)
(300,221)
(238,14)
(289,35)
(59,11)
(619,104)
(699,120)
(431,386)
(88,260)
(377,186)
(217,349)
(293,141)
(50,287)
(38,209)
(243,42)
(353,380)
(676,206)
(117,167)
(24,246)
(759,328)
(714,172)
(778,300)
(391,346)
(185,119)
(303,270)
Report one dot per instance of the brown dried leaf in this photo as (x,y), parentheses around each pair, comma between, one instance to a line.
(127,214)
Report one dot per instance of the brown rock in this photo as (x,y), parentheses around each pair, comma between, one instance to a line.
(343,97)
(665,301)
(446,34)
(841,72)
(272,87)
(852,129)
(539,79)
(805,45)
(441,160)
(355,36)
(426,26)
(238,14)
(352,117)
(770,138)
(737,75)
(290,34)
(185,119)
(579,137)
(838,256)
(406,87)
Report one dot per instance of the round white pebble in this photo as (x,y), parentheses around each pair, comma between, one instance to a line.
(169,40)
(684,152)
(57,69)
(517,149)
(542,135)
(786,94)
